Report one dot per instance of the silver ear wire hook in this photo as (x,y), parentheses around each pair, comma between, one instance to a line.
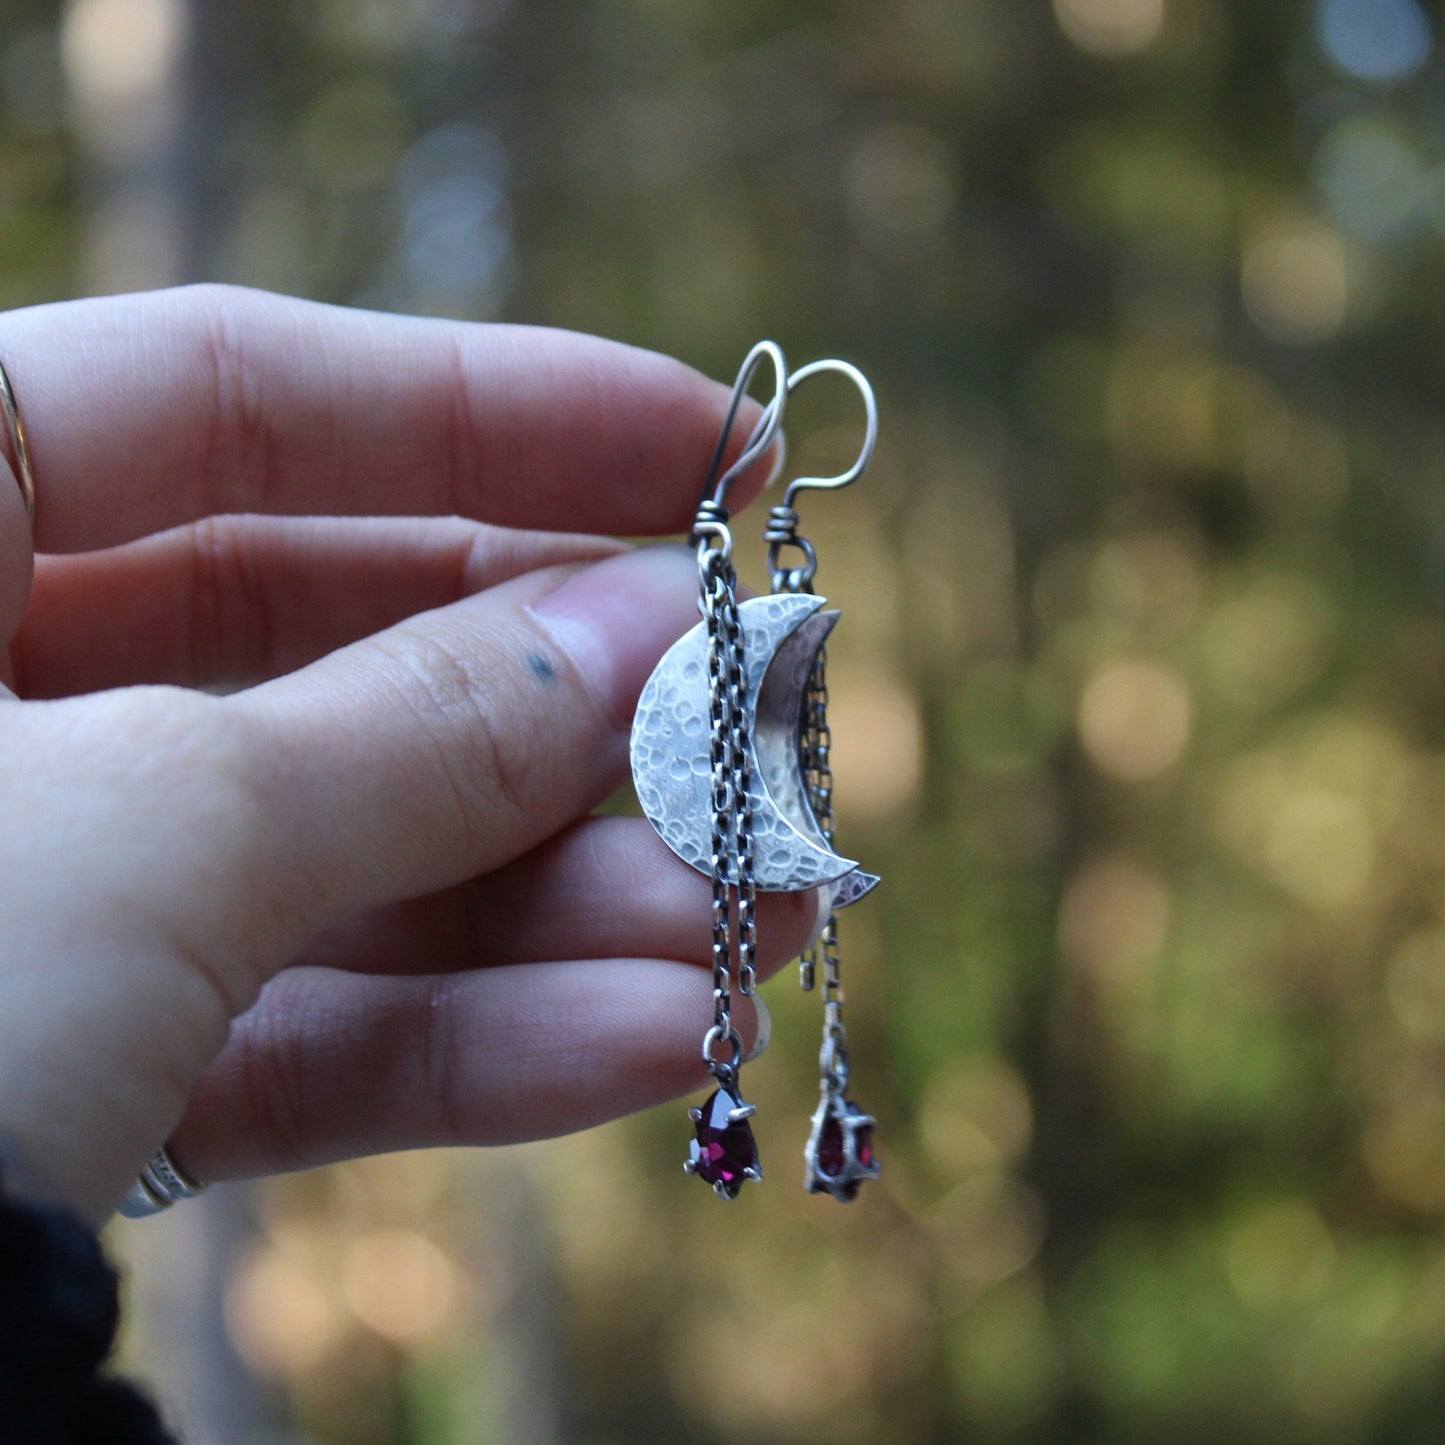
(782,528)
(715,489)
(870,435)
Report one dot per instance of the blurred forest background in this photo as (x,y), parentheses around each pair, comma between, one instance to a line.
(1139,695)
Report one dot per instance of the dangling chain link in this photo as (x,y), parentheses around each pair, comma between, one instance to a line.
(730,758)
(743,873)
(815,745)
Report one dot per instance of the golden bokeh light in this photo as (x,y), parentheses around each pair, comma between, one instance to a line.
(1163,407)
(1415,985)
(280,1315)
(990,1226)
(1404,1148)
(118,51)
(1114,920)
(1279,1254)
(976,1116)
(1416,832)
(1295,278)
(1150,583)
(804,1374)
(401,1285)
(1267,639)
(899,180)
(1320,847)
(1111,28)
(877,740)
(1134,719)
(1311,811)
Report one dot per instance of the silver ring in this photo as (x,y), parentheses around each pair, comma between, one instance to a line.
(24,469)
(159,1185)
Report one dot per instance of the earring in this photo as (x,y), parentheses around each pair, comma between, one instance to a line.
(694,776)
(839,1154)
(717,766)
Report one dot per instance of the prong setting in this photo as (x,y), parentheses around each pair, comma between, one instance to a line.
(839,1154)
(724,1153)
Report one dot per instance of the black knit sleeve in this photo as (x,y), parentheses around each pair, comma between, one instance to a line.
(59,1308)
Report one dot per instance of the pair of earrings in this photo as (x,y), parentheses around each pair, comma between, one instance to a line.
(730,758)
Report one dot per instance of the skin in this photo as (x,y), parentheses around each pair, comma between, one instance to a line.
(299,747)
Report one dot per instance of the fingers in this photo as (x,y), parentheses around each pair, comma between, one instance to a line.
(235,600)
(607,888)
(459,740)
(232,830)
(144,412)
(331,1066)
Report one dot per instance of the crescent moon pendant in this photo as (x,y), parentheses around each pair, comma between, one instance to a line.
(777,728)
(670,745)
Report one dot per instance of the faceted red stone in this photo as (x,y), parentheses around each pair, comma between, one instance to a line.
(830,1147)
(723,1151)
(832,1157)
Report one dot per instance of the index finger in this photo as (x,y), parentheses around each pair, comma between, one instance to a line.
(147,411)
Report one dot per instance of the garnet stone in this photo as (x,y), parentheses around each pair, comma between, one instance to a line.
(829,1167)
(832,1154)
(724,1153)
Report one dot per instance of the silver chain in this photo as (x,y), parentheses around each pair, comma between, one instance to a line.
(743,872)
(816,744)
(730,755)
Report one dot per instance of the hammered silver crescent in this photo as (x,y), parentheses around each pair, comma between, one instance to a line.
(670,764)
(776,731)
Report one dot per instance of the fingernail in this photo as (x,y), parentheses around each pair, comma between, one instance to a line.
(825,912)
(764,1035)
(614,620)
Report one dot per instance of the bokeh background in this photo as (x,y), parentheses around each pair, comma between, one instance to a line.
(1137,697)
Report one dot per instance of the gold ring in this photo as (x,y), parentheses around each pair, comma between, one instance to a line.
(24,471)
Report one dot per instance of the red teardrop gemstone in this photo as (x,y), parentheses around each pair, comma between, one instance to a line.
(830,1147)
(724,1151)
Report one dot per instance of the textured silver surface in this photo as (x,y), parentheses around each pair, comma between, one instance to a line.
(777,730)
(781,700)
(853,886)
(670,764)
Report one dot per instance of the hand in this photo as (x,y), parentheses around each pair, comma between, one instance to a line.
(356,903)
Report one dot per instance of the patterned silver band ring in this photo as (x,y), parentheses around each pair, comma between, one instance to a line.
(20,448)
(159,1185)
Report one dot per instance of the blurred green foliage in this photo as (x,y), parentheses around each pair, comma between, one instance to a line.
(1138,689)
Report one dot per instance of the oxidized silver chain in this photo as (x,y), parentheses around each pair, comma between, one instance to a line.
(730,758)
(815,747)
(839,1154)
(724,1153)
(742,871)
(817,744)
